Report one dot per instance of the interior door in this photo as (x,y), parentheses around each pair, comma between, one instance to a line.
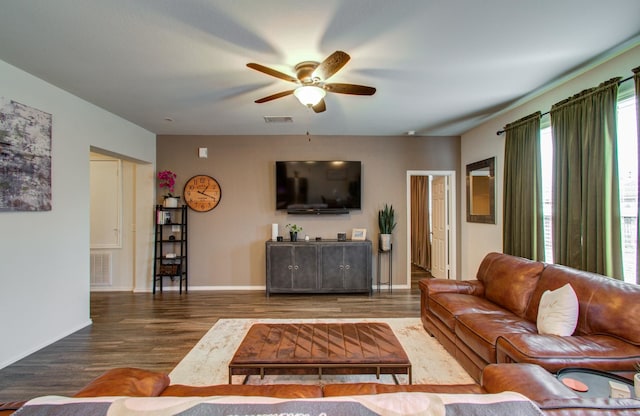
(106,205)
(440,225)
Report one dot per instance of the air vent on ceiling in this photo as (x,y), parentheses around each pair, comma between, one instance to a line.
(278,119)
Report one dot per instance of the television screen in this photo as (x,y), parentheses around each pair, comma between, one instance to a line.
(318,186)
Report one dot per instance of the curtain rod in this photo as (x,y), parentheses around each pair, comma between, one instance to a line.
(500,132)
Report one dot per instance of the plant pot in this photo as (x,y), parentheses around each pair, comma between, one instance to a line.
(636,385)
(385,242)
(171,202)
(293,236)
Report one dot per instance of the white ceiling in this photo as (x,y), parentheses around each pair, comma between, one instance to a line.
(440,66)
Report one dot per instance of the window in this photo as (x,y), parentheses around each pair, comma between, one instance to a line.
(628,173)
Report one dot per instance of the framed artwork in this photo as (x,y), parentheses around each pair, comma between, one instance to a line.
(25,158)
(359,234)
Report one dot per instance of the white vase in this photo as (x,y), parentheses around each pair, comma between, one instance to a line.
(385,242)
(636,385)
(171,202)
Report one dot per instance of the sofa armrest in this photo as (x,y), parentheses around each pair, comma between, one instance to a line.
(126,382)
(531,380)
(468,287)
(9,408)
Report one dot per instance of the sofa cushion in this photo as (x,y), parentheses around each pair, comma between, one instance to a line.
(479,331)
(555,353)
(607,306)
(283,391)
(126,382)
(509,281)
(558,311)
(446,306)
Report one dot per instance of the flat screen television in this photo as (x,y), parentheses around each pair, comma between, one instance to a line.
(318,187)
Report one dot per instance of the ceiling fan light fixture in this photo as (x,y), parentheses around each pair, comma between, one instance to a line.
(309,95)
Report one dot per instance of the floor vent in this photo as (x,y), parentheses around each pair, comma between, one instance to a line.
(100,269)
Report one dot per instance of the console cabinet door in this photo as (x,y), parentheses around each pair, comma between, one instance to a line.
(357,267)
(279,267)
(332,275)
(346,267)
(291,268)
(305,267)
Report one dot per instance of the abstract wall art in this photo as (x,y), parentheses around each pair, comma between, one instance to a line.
(25,157)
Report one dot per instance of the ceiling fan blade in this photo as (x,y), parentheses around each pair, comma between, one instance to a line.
(331,65)
(272,72)
(274,96)
(320,107)
(350,89)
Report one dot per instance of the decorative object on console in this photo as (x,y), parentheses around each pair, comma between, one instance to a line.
(294,229)
(202,193)
(359,234)
(167,179)
(386,223)
(342,236)
(274,232)
(558,312)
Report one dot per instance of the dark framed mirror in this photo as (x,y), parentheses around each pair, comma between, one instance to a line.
(481,189)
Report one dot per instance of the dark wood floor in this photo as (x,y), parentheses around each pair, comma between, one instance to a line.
(156,332)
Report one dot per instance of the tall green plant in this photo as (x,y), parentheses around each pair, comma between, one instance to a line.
(386,219)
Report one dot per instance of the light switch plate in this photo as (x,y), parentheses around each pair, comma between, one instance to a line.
(203,152)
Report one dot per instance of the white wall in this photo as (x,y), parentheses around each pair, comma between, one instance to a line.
(44,267)
(482,142)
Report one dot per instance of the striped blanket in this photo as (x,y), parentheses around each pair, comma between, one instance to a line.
(418,404)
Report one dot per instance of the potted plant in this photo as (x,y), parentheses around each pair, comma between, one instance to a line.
(167,179)
(386,223)
(294,229)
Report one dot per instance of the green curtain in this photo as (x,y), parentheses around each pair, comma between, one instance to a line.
(586,203)
(523,230)
(636,79)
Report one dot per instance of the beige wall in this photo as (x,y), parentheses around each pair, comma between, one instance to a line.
(226,245)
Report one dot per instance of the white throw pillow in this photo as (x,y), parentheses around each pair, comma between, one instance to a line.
(558,311)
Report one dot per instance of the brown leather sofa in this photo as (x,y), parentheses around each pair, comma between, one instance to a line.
(551,396)
(493,319)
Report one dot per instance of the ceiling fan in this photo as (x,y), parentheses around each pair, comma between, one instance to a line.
(311,78)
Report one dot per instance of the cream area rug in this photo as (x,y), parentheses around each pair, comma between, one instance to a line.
(207,363)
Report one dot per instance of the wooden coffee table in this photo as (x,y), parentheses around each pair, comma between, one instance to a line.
(320,348)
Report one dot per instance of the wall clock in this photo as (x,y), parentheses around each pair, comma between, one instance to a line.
(202,193)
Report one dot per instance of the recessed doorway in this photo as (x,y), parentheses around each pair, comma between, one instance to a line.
(434,227)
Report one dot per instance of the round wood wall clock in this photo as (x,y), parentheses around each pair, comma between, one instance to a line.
(202,193)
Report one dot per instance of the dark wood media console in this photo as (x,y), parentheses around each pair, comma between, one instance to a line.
(327,266)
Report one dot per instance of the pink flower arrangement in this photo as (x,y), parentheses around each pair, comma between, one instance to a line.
(167,180)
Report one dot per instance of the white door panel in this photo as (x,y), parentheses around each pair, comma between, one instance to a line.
(440,237)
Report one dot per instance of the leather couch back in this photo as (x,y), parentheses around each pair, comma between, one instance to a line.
(509,281)
(607,306)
